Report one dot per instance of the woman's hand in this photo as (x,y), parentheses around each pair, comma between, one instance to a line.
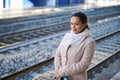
(57,75)
(58,78)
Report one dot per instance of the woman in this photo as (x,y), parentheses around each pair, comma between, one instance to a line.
(75,51)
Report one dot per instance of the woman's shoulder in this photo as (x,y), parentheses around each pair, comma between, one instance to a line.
(90,40)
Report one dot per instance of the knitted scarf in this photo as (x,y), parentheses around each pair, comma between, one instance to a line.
(71,38)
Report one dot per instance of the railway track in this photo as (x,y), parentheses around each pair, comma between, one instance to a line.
(23,37)
(16,40)
(48,41)
(11,40)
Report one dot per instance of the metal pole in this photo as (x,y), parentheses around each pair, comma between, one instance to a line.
(70,2)
(56,2)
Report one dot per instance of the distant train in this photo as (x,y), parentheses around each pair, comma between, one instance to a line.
(36,3)
(55,2)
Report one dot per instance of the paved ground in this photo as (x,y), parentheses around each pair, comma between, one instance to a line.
(109,72)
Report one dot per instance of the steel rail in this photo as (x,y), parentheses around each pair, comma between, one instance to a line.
(96,67)
(33,30)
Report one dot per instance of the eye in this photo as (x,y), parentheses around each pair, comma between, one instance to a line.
(76,24)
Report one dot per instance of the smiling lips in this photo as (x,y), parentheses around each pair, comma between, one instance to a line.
(74,30)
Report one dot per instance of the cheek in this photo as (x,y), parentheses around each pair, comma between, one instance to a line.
(79,27)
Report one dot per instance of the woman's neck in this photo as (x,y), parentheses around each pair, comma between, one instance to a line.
(82,30)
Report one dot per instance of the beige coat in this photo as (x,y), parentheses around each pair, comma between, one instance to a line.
(73,61)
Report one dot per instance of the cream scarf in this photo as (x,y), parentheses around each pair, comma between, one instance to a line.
(71,38)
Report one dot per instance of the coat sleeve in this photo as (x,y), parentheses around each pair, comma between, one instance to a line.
(57,59)
(81,66)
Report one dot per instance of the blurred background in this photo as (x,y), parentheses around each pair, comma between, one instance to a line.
(50,3)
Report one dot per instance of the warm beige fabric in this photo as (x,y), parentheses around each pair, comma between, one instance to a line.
(73,61)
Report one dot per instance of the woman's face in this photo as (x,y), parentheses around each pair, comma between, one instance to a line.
(76,25)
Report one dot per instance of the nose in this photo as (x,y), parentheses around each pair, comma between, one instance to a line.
(73,26)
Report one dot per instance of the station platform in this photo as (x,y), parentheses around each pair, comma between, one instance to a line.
(21,12)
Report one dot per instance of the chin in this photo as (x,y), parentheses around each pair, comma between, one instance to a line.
(74,32)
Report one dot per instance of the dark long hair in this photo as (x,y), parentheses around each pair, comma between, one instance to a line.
(82,17)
